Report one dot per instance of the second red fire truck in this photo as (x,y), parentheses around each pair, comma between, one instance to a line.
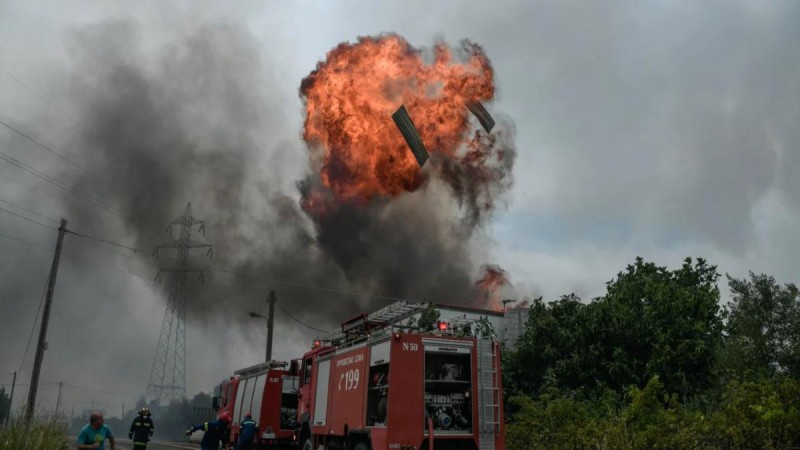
(268,392)
(379,384)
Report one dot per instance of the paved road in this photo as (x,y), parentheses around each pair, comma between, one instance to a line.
(159,445)
(153,445)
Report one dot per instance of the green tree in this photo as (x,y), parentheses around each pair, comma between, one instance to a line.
(652,321)
(554,347)
(763,328)
(427,318)
(660,322)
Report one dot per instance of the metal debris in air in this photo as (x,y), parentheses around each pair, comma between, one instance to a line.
(409,132)
(486,120)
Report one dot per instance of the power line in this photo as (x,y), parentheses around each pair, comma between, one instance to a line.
(261,277)
(99,391)
(225,270)
(25,218)
(41,97)
(78,258)
(300,321)
(23,241)
(104,241)
(45,147)
(26,384)
(74,386)
(33,329)
(305,286)
(57,183)
(28,210)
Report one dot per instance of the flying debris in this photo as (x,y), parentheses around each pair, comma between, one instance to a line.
(486,120)
(409,131)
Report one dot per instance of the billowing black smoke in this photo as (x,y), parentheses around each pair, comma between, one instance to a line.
(195,121)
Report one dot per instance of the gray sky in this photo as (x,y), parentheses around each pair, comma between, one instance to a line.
(661,129)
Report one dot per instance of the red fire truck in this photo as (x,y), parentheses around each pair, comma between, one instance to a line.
(382,385)
(268,391)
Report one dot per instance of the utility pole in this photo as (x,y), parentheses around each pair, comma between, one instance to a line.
(11,398)
(58,402)
(270,322)
(41,347)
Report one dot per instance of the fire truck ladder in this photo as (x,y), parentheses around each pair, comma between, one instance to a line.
(382,318)
(489,393)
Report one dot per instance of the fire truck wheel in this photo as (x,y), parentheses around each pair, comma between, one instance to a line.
(363,445)
(308,445)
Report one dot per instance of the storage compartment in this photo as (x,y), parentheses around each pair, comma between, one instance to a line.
(289,403)
(448,391)
(378,386)
(377,397)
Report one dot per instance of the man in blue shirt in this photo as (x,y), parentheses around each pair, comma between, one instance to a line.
(94,435)
(216,431)
(247,433)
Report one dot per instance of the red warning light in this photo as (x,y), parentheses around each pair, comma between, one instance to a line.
(442,326)
(316,344)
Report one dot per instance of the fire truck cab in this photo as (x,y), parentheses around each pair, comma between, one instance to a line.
(268,391)
(380,385)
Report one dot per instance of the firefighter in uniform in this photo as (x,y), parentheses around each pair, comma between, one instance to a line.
(216,431)
(248,430)
(141,429)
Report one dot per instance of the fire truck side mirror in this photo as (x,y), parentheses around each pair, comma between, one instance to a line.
(215,403)
(294,368)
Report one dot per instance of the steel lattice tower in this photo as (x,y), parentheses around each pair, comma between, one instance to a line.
(168,375)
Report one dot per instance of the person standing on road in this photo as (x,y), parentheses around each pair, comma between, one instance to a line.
(141,429)
(216,431)
(248,430)
(94,435)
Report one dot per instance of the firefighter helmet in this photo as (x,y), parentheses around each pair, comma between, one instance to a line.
(144,411)
(224,417)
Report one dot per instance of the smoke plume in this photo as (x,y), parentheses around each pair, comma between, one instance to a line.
(195,121)
(385,221)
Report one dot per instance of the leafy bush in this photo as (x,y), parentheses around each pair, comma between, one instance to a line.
(750,415)
(556,420)
(759,414)
(655,363)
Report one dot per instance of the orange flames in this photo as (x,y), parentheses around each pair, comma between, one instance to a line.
(491,284)
(349,101)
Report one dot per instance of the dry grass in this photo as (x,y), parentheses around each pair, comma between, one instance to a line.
(45,433)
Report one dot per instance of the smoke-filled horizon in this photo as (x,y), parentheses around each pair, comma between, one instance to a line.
(194,120)
(182,122)
(656,130)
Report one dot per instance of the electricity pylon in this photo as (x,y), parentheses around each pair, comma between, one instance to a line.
(168,376)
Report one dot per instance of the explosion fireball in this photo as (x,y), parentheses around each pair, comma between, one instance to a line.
(361,164)
(349,101)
